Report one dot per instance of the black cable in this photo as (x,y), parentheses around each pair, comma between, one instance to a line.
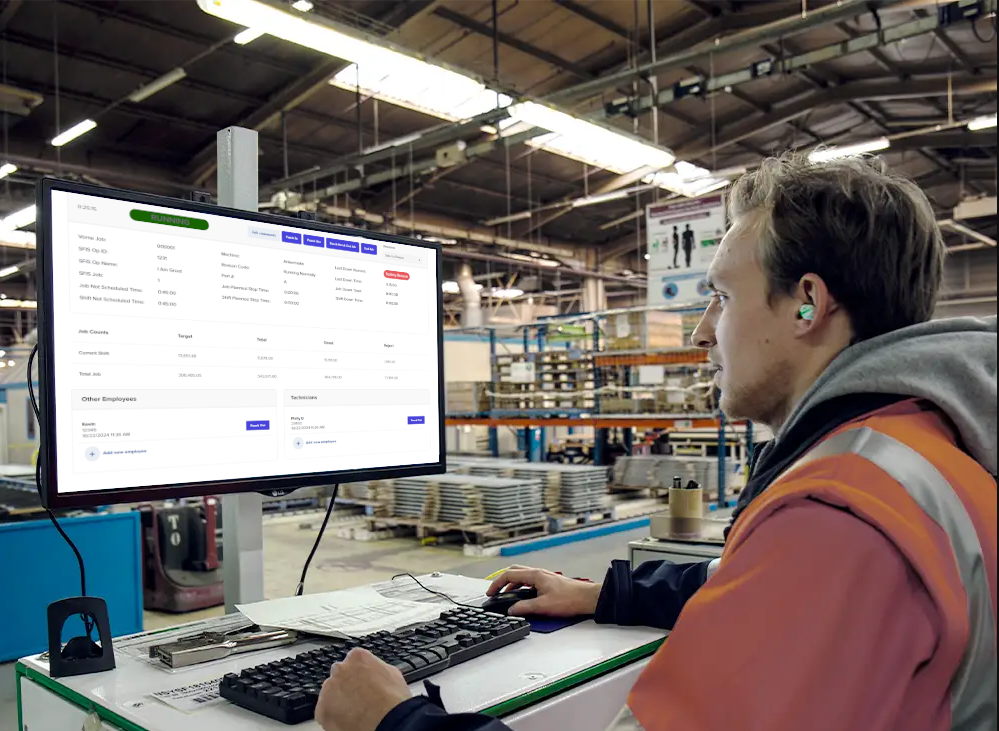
(87,622)
(319,537)
(974,29)
(436,593)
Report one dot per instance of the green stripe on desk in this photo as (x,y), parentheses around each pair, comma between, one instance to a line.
(499,710)
(71,695)
(559,686)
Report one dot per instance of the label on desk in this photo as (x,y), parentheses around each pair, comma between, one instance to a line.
(194,697)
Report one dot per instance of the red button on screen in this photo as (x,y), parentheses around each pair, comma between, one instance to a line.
(389,274)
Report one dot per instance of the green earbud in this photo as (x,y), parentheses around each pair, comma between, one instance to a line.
(806,312)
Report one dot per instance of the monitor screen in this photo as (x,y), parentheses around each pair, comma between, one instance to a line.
(187,349)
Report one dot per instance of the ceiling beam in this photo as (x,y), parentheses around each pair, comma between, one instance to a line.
(203,164)
(114,64)
(952,48)
(736,129)
(705,8)
(781,29)
(823,80)
(135,111)
(596,18)
(248,55)
(486,30)
(616,183)
(10,8)
(956,139)
(406,11)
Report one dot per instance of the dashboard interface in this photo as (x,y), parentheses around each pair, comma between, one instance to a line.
(192,347)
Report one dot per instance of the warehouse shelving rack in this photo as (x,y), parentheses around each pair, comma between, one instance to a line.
(544,337)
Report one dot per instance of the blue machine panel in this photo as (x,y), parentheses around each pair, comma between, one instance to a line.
(38,568)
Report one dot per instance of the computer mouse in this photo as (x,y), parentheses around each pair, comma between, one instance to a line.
(501,603)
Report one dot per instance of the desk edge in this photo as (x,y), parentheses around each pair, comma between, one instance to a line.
(499,710)
(576,679)
(105,714)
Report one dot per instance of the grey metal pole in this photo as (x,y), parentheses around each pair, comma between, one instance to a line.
(242,515)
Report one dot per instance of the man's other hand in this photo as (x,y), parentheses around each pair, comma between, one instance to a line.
(359,693)
(557,595)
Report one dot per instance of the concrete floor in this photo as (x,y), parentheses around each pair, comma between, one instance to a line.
(341,564)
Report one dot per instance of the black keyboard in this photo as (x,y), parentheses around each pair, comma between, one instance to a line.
(287,690)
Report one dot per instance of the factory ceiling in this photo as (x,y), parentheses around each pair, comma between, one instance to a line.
(719,83)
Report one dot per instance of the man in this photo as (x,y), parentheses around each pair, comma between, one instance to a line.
(688,244)
(676,246)
(857,588)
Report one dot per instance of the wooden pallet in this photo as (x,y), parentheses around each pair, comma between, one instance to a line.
(431,532)
(559,523)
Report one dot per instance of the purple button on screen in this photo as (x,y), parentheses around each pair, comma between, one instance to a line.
(291,238)
(369,248)
(341,245)
(313,240)
(416,420)
(258,425)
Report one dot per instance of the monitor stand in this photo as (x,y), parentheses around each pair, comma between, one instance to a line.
(242,514)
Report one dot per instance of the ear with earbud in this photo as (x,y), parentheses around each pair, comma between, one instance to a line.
(806,312)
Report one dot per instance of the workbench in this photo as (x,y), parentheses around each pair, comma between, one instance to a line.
(705,546)
(575,678)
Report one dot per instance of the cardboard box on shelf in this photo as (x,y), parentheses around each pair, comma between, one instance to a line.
(651,330)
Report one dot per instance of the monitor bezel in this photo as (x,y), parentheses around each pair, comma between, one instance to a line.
(47,454)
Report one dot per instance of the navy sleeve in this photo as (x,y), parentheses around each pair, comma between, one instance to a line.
(419,714)
(652,595)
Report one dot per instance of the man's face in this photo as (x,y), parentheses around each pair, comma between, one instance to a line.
(750,343)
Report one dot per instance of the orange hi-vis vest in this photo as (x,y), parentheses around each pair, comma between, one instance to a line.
(899,470)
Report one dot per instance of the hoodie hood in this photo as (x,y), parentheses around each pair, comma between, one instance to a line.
(951,363)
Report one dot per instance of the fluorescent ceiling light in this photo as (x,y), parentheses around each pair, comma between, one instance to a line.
(77,130)
(603,198)
(157,85)
(534,260)
(17,239)
(18,219)
(450,287)
(19,304)
(506,293)
(10,363)
(521,216)
(591,143)
(247,36)
(302,6)
(688,180)
(406,81)
(834,153)
(379,72)
(7,271)
(989,120)
(6,169)
(420,86)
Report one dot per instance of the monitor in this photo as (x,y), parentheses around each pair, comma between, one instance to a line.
(188,349)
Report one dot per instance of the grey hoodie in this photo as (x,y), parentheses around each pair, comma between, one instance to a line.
(951,363)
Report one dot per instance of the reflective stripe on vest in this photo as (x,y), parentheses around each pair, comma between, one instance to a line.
(973,688)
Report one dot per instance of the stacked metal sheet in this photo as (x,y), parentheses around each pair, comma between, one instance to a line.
(503,502)
(569,489)
(658,471)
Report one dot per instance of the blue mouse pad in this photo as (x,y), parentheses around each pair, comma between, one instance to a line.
(545,625)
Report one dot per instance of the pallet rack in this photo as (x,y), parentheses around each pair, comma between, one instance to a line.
(544,347)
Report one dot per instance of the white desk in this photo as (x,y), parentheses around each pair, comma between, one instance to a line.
(577,678)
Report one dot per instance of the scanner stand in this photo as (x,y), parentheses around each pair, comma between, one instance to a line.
(81,655)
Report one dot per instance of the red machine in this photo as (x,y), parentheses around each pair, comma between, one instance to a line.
(182,569)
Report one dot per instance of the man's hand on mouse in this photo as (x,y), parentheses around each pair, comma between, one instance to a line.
(557,595)
(359,693)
